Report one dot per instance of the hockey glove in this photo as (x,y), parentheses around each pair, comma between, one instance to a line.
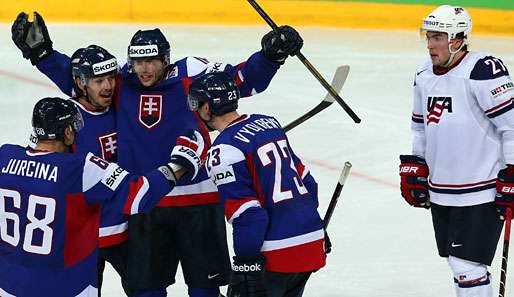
(31,37)
(247,279)
(280,43)
(505,190)
(186,154)
(414,183)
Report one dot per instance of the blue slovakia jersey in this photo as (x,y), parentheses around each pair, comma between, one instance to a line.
(150,119)
(49,217)
(99,137)
(269,196)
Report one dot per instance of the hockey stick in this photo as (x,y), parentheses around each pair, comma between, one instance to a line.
(337,83)
(337,192)
(309,66)
(505,255)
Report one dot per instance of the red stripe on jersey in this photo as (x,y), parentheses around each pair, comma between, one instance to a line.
(300,168)
(232,205)
(82,224)
(114,239)
(305,257)
(186,83)
(134,188)
(509,101)
(461,185)
(256,185)
(186,143)
(117,88)
(190,199)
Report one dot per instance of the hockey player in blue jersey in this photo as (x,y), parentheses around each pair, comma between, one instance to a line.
(94,71)
(50,198)
(269,197)
(151,111)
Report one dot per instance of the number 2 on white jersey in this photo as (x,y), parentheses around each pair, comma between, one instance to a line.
(36,223)
(280,150)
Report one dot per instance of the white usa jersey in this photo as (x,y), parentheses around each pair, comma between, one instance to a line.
(463,125)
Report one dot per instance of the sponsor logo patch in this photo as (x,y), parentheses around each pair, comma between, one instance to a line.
(498,91)
(141,51)
(105,66)
(224,177)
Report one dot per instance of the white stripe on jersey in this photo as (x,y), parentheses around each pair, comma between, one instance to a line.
(5,294)
(242,208)
(270,245)
(206,186)
(134,208)
(90,291)
(111,230)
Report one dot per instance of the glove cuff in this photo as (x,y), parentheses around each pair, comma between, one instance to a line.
(169,173)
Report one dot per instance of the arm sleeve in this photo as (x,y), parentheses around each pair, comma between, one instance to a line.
(102,181)
(418,123)
(228,169)
(57,68)
(251,76)
(493,89)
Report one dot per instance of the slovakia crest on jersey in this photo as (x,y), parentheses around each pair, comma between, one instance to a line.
(109,145)
(150,110)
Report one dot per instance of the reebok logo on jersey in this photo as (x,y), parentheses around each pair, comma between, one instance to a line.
(502,89)
(247,268)
(436,106)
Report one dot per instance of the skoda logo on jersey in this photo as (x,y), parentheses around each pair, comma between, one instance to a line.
(436,106)
(109,146)
(150,110)
(105,66)
(141,51)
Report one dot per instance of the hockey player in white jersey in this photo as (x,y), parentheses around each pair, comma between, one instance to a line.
(463,139)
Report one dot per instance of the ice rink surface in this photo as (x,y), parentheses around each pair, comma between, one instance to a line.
(382,247)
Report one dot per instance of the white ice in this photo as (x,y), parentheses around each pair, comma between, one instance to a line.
(382,247)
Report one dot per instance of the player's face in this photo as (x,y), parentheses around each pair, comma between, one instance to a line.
(149,71)
(437,45)
(100,90)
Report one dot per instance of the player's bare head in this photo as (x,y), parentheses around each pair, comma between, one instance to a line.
(447,30)
(148,56)
(94,71)
(56,120)
(213,95)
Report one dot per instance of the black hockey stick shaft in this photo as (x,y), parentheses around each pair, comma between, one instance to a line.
(337,83)
(337,192)
(505,254)
(309,66)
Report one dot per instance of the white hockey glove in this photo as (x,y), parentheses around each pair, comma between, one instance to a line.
(187,154)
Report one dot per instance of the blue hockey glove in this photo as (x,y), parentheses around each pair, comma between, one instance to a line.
(31,37)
